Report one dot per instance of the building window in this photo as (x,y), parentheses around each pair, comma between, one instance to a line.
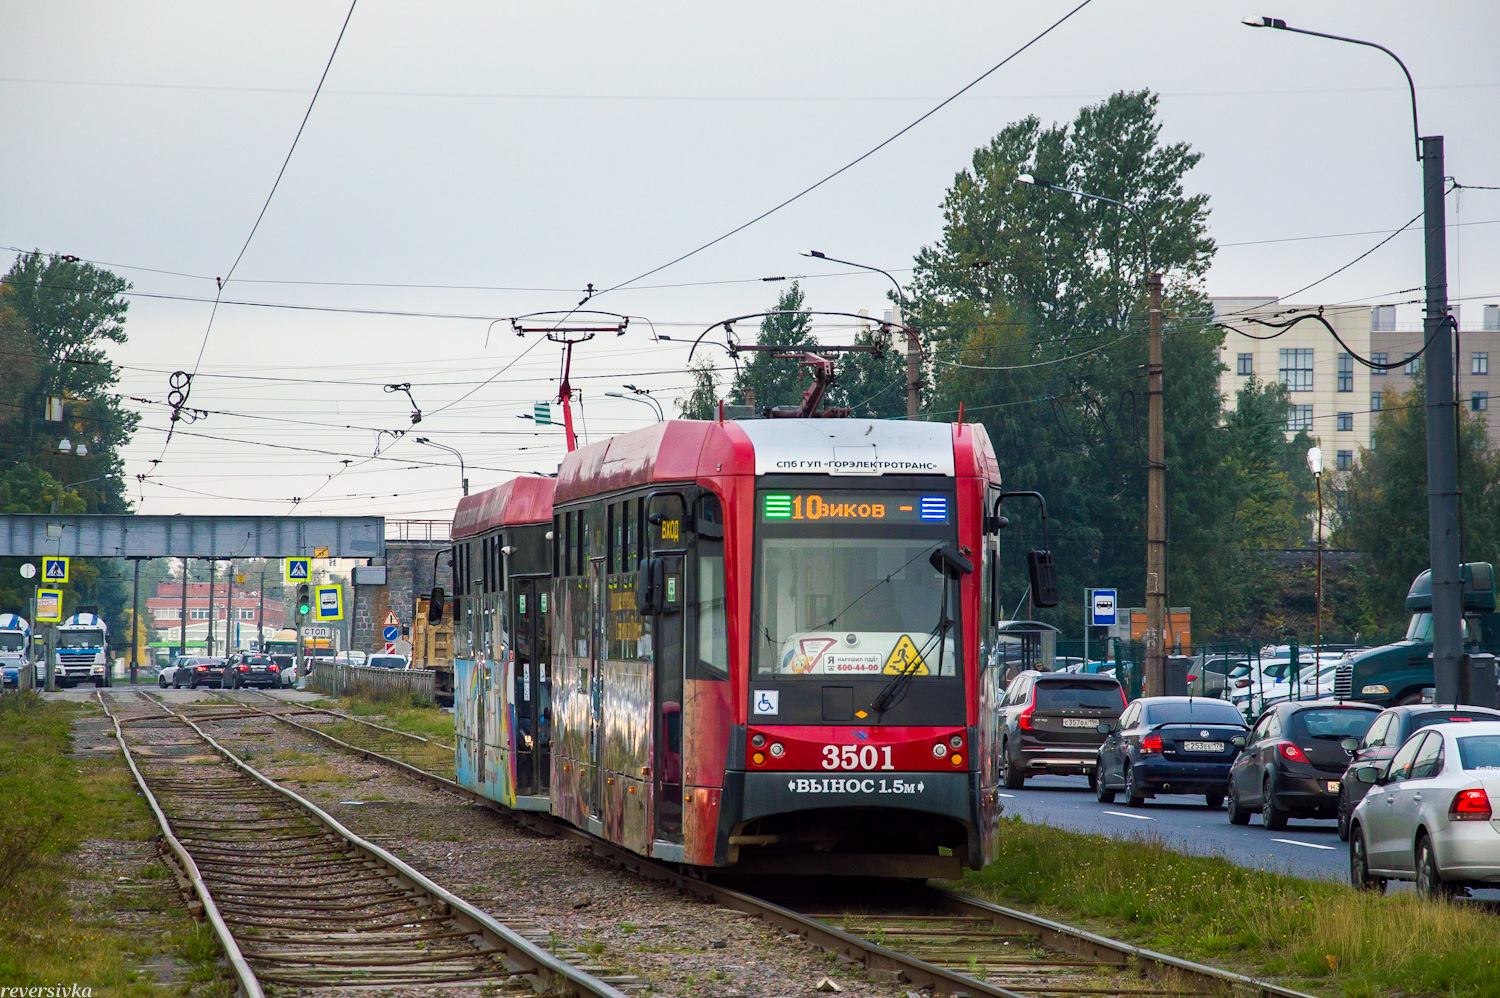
(198,614)
(1345,460)
(1383,319)
(1346,421)
(1346,373)
(1297,369)
(1376,399)
(1492,318)
(1378,358)
(1244,364)
(1411,366)
(172,614)
(1479,364)
(1299,417)
(247,614)
(1479,401)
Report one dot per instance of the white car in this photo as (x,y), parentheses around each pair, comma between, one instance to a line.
(1429,816)
(388,662)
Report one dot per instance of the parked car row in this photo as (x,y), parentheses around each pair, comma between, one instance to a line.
(242,669)
(1411,786)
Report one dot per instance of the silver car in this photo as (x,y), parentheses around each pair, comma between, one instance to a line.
(1428,815)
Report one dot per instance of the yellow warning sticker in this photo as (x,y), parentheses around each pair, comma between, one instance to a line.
(905,659)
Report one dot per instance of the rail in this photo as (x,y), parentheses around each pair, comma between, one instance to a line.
(1092,950)
(518,956)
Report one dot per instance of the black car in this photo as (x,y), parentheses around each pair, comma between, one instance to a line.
(1170,745)
(1049,723)
(251,669)
(1390,731)
(198,670)
(1293,762)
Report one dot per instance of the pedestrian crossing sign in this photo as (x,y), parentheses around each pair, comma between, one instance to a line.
(296,569)
(330,603)
(55,570)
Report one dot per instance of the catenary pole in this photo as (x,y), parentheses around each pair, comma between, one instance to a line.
(1156,505)
(183,622)
(135,622)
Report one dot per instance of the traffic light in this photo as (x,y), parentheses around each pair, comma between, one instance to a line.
(304,601)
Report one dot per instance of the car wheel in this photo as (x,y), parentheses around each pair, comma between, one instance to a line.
(1135,796)
(161,682)
(1359,865)
(1271,816)
(1343,818)
(1430,882)
(1214,801)
(1101,794)
(1093,777)
(1010,775)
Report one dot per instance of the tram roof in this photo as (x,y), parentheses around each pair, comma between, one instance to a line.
(527,499)
(684,449)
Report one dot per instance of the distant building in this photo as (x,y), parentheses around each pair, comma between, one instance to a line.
(1333,396)
(165,608)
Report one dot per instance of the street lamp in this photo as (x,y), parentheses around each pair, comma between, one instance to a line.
(464,475)
(1156,458)
(1442,414)
(913,344)
(1315,465)
(648,402)
(56,503)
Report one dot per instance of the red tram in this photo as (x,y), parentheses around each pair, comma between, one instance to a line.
(766,645)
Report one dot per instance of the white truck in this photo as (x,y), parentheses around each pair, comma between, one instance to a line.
(15,643)
(79,654)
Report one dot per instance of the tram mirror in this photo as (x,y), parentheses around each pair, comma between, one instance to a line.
(1043,574)
(435,605)
(948,561)
(650,588)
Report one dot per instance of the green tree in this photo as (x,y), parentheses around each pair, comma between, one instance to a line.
(1383,508)
(1032,305)
(771,381)
(702,401)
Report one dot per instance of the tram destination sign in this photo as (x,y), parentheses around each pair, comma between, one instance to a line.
(854,506)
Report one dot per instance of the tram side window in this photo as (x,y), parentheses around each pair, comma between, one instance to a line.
(713,605)
(632,535)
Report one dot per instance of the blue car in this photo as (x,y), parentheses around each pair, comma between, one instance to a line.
(1170,745)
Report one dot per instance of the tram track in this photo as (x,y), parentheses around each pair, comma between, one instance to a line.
(924,937)
(297,900)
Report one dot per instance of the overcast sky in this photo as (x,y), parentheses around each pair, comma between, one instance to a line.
(515,153)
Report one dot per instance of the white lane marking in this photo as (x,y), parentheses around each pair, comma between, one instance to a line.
(1305,845)
(1137,817)
(1004,795)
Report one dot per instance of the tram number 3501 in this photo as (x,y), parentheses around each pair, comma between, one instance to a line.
(857,757)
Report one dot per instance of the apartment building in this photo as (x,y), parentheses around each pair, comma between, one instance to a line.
(1334,397)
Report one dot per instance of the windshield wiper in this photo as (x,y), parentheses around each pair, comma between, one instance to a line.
(951,564)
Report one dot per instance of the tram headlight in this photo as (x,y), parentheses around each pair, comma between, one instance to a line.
(957,741)
(939,750)
(778,750)
(758,740)
(758,758)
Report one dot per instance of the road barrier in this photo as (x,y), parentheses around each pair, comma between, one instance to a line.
(361,680)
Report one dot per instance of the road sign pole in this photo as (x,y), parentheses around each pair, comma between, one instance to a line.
(1088,618)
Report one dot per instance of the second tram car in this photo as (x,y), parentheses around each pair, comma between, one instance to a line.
(766,647)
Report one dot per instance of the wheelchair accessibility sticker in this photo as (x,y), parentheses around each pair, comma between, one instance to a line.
(766,702)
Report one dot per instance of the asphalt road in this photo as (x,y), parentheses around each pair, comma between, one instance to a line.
(1304,848)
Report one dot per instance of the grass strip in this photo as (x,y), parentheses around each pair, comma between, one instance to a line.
(1310,934)
(403,711)
(62,920)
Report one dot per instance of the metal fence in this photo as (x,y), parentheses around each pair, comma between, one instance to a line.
(361,680)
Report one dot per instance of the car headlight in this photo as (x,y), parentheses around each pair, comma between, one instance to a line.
(1373,688)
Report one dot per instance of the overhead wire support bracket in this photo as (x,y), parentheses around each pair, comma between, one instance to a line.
(569,337)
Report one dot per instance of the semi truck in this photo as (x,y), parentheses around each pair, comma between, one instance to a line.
(80,650)
(15,644)
(1401,672)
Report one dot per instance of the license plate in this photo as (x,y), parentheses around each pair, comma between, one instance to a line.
(1333,786)
(1203,746)
(1079,722)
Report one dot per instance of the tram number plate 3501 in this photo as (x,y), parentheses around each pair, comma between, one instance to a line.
(857,757)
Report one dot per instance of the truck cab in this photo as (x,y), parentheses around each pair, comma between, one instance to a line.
(80,651)
(15,636)
(1398,673)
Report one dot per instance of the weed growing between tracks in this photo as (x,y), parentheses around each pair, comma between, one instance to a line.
(1209,909)
(82,898)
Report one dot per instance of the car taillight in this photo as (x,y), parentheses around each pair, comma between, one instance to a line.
(1123,702)
(1023,721)
(274,668)
(243,668)
(1470,805)
(201,668)
(1151,745)
(1291,752)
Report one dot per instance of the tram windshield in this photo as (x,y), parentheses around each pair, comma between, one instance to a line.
(853,593)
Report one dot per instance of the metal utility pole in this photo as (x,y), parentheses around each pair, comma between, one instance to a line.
(182,629)
(230,644)
(135,622)
(260,624)
(213,571)
(1442,409)
(1156,505)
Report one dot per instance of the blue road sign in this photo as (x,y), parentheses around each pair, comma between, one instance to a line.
(1102,607)
(55,570)
(296,569)
(391,632)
